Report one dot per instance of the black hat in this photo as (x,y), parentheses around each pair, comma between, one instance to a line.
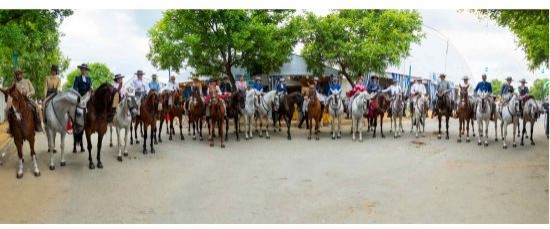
(118,76)
(374,77)
(55,68)
(139,73)
(84,66)
(442,76)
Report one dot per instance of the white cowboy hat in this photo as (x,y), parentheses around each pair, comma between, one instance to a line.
(465,78)
(281,79)
(315,78)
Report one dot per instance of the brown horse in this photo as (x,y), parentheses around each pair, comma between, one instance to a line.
(314,113)
(22,126)
(234,105)
(378,107)
(149,111)
(100,110)
(217,117)
(465,113)
(176,110)
(284,107)
(167,100)
(443,107)
(196,112)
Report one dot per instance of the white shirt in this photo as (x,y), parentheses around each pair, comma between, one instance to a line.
(418,87)
(140,86)
(84,78)
(393,89)
(470,88)
(217,89)
(171,86)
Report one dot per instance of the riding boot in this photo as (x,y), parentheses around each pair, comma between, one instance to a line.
(37,122)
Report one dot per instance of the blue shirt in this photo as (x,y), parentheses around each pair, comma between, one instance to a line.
(484,86)
(523,90)
(154,86)
(258,86)
(335,88)
(281,88)
(373,87)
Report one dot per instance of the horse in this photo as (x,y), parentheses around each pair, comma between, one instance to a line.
(22,126)
(335,107)
(465,114)
(443,107)
(150,111)
(125,112)
(396,111)
(264,106)
(234,105)
(530,114)
(379,106)
(420,105)
(284,105)
(196,112)
(248,112)
(483,115)
(167,100)
(217,117)
(176,110)
(359,106)
(314,113)
(509,114)
(58,110)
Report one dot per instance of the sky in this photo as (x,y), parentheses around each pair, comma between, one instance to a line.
(118,38)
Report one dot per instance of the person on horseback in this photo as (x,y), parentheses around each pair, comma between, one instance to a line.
(281,87)
(241,85)
(465,85)
(418,90)
(225,86)
(24,86)
(258,86)
(171,85)
(484,86)
(140,88)
(53,82)
(154,85)
(319,91)
(118,84)
(83,83)
(393,89)
(506,91)
(335,87)
(359,87)
(523,94)
(373,86)
(443,87)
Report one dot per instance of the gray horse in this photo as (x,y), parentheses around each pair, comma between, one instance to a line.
(62,107)
(125,112)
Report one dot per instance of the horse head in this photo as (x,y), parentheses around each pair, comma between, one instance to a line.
(238,98)
(105,102)
(276,102)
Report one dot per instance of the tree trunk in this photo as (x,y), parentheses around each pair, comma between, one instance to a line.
(231,78)
(348,77)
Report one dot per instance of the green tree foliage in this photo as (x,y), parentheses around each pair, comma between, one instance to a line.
(531,29)
(496,85)
(213,41)
(33,36)
(538,90)
(359,41)
(99,73)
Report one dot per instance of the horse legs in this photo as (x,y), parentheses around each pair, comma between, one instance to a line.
(439,132)
(98,156)
(339,126)
(504,132)
(131,136)
(332,126)
(50,140)
(310,129)
(353,128)
(33,156)
(200,128)
(119,155)
(89,143)
(126,141)
(145,141)
(523,133)
(154,132)
(360,125)
(382,125)
(473,129)
(169,128)
(19,146)
(111,136)
(531,136)
(153,139)
(138,125)
(515,123)
(62,147)
(487,122)
(288,121)
(220,129)
(480,128)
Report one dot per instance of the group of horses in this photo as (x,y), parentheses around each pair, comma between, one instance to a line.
(104,108)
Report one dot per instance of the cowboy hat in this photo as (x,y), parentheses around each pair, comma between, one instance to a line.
(154,76)
(484,75)
(335,78)
(465,78)
(316,78)
(194,78)
(17,71)
(139,73)
(83,66)
(523,81)
(509,78)
(281,79)
(374,77)
(442,76)
(258,78)
(54,68)
(118,76)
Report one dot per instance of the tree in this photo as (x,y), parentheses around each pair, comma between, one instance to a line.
(538,90)
(99,73)
(214,41)
(359,41)
(32,36)
(496,85)
(530,28)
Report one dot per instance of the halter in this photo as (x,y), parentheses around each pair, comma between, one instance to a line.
(263,104)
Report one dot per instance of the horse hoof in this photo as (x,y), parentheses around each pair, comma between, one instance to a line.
(125,154)
(333,138)
(36,174)
(82,150)
(502,139)
(19,175)
(74,150)
(153,150)
(521,144)
(99,165)
(119,158)
(459,141)
(48,150)
(52,167)
(54,151)
(467,140)
(514,145)
(438,137)
(201,139)
(289,138)
(479,143)
(131,143)
(110,144)
(309,138)
(360,140)
(63,163)
(505,147)
(223,146)
(532,143)
(486,144)
(238,139)
(182,138)
(317,138)
(169,139)
(211,144)
(496,139)
(268,137)
(383,136)
(144,151)
(91,166)
(137,142)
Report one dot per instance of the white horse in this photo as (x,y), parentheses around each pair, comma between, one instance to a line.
(483,115)
(248,112)
(62,107)
(125,111)
(335,110)
(264,105)
(509,114)
(420,112)
(359,105)
(396,106)
(530,114)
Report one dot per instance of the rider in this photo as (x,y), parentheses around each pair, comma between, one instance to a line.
(258,86)
(486,87)
(319,91)
(53,82)
(281,87)
(442,87)
(213,89)
(83,83)
(24,86)
(393,89)
(241,85)
(154,85)
(140,88)
(171,85)
(119,85)
(523,94)
(335,87)
(373,86)
(418,90)
(506,91)
(225,86)
(465,85)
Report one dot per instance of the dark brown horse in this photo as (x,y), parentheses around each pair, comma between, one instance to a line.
(314,113)
(465,113)
(285,106)
(149,111)
(443,107)
(234,105)
(378,107)
(176,110)
(100,110)
(196,112)
(217,117)
(166,98)
(22,126)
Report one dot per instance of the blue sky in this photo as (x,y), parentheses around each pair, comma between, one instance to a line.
(119,39)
